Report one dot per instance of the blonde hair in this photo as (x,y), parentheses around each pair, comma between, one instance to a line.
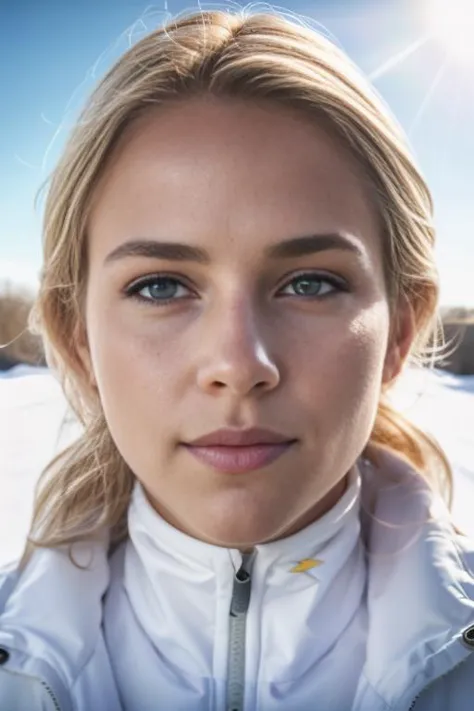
(255,56)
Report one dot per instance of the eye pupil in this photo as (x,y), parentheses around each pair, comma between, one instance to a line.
(158,288)
(310,287)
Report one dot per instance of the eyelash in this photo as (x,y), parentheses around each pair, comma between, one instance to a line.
(132,291)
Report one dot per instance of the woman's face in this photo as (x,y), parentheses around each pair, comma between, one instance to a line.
(249,325)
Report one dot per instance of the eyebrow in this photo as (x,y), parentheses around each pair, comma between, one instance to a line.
(179,252)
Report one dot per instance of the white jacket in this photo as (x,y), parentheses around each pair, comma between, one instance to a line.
(403,632)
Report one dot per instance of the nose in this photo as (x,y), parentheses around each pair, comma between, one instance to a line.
(236,358)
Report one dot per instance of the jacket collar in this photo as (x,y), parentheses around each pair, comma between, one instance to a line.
(178,588)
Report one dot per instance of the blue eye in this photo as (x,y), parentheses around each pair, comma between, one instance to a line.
(157,290)
(313,285)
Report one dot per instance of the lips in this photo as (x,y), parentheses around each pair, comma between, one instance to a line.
(240,438)
(235,460)
(239,451)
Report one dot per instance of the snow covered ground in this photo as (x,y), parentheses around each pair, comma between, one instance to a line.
(34,425)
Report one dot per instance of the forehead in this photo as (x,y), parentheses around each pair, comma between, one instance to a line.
(230,172)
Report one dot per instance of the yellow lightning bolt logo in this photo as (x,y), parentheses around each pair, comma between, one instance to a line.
(305,565)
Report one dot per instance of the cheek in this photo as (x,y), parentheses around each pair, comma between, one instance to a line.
(135,369)
(339,372)
(136,380)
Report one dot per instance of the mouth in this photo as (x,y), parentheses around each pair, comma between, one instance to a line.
(231,459)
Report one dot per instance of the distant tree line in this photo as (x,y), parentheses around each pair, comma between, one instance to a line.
(17,343)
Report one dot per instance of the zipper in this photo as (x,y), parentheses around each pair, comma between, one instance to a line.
(51,696)
(441,676)
(412,706)
(237,622)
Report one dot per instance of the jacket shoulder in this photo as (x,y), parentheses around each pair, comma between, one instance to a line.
(8,578)
(19,692)
(451,692)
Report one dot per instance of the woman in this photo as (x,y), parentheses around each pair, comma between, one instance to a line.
(245,523)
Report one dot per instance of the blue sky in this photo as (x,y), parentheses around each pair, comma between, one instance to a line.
(53,51)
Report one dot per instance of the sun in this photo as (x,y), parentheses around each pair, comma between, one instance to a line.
(451,22)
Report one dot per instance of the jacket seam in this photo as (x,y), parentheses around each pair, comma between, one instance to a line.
(462,562)
(387,706)
(84,665)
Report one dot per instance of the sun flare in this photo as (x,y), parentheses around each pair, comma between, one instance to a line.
(451,22)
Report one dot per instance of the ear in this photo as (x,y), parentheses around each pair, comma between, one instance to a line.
(402,334)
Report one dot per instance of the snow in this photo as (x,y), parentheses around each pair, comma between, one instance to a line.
(443,405)
(35,423)
(33,427)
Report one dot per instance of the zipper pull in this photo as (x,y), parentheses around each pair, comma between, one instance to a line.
(240,592)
